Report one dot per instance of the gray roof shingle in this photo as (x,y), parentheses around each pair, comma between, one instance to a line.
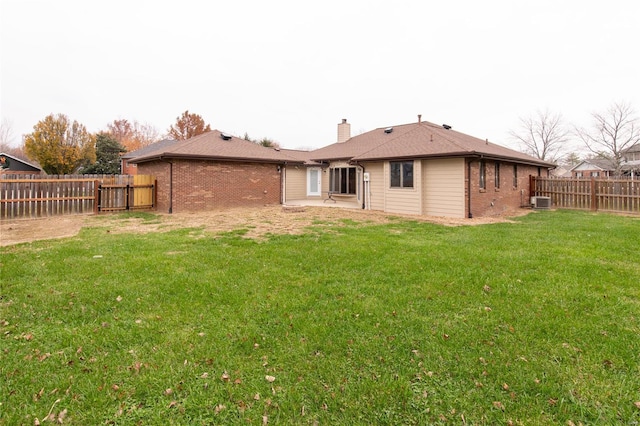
(212,145)
(417,140)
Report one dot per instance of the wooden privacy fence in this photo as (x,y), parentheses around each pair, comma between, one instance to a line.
(614,195)
(23,196)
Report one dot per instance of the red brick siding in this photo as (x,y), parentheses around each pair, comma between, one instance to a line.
(127,168)
(207,185)
(494,201)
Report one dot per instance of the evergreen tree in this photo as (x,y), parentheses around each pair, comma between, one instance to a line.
(108,152)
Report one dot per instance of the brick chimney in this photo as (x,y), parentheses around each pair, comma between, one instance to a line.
(344,131)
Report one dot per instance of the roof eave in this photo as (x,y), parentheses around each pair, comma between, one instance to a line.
(172,156)
(457,155)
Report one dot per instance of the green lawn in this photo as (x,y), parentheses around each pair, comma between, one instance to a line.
(532,322)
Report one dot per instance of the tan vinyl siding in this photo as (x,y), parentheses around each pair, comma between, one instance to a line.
(376,185)
(403,200)
(296,184)
(443,187)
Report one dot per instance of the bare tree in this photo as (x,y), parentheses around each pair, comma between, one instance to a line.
(543,136)
(612,133)
(6,135)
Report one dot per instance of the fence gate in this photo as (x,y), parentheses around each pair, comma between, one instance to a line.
(133,193)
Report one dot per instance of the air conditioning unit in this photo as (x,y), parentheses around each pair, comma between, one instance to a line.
(541,202)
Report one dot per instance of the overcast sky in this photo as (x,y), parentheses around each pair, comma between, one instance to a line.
(291,70)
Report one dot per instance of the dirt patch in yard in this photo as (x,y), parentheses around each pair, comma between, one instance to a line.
(255,222)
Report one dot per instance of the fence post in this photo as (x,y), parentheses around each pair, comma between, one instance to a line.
(594,199)
(96,202)
(532,186)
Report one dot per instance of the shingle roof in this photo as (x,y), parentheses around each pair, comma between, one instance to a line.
(30,163)
(595,163)
(212,145)
(302,156)
(417,140)
(163,144)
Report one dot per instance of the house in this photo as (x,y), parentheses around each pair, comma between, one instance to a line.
(594,167)
(10,164)
(214,170)
(419,168)
(633,153)
(606,168)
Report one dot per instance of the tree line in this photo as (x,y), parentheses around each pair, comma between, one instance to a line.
(610,134)
(63,146)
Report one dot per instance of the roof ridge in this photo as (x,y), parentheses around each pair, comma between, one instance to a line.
(384,142)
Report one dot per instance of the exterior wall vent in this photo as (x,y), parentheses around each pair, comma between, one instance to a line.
(446,127)
(388,130)
(541,203)
(225,136)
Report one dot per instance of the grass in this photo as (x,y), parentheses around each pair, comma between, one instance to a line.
(532,322)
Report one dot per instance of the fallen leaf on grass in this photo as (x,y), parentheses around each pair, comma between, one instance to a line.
(37,396)
(498,405)
(173,404)
(270,379)
(225,377)
(637,404)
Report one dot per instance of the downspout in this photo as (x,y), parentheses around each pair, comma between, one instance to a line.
(170,187)
(364,184)
(283,184)
(469,214)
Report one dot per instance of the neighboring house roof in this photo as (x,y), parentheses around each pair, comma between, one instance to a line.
(215,145)
(633,148)
(561,171)
(17,164)
(418,140)
(595,164)
(604,164)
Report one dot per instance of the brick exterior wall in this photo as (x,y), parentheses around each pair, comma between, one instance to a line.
(495,201)
(209,185)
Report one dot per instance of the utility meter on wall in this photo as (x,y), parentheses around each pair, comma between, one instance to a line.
(366,177)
